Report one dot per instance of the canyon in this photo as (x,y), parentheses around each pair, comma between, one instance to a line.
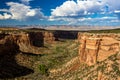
(80,51)
(98,54)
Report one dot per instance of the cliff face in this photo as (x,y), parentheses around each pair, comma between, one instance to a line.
(26,45)
(49,37)
(9,48)
(98,47)
(7,44)
(66,34)
(36,39)
(25,42)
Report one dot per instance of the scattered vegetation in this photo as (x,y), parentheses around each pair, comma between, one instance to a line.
(109,68)
(43,69)
(54,56)
(57,54)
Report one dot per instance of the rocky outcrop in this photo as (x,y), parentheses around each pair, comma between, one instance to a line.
(25,42)
(9,48)
(7,44)
(36,38)
(49,37)
(97,47)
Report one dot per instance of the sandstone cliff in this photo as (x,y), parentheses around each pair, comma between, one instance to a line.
(7,44)
(25,42)
(98,59)
(49,37)
(97,47)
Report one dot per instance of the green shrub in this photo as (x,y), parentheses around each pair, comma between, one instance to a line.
(43,69)
(116,69)
(59,49)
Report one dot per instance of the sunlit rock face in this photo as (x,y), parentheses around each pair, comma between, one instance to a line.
(97,47)
(49,37)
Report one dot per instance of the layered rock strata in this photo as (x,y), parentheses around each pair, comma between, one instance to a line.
(97,47)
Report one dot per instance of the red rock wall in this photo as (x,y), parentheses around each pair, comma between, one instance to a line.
(26,42)
(97,47)
(49,37)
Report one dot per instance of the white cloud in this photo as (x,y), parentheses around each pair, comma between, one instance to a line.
(31,13)
(72,11)
(81,10)
(25,1)
(72,8)
(4,10)
(20,11)
(69,8)
(5,16)
(117,12)
(1,16)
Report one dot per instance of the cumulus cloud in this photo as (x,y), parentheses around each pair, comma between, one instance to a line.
(72,8)
(74,11)
(5,16)
(25,1)
(21,11)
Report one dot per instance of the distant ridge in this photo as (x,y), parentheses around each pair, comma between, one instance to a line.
(35,29)
(117,30)
(63,27)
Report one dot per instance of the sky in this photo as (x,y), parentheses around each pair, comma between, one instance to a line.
(60,12)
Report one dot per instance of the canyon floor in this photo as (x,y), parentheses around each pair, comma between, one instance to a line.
(54,55)
(57,59)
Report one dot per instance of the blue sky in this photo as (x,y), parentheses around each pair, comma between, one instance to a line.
(60,12)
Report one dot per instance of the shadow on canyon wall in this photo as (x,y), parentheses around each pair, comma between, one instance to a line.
(9,68)
(37,39)
(66,34)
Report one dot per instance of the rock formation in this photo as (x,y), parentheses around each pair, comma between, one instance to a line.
(97,47)
(25,42)
(49,37)
(7,44)
(36,38)
(9,48)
